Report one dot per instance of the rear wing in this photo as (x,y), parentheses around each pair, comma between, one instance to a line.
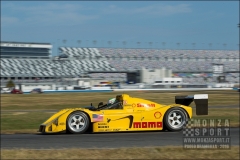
(201,101)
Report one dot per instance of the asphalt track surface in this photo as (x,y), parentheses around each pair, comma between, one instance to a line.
(99,140)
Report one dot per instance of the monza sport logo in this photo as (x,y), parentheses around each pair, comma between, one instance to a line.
(207,133)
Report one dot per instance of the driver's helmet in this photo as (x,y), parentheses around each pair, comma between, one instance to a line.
(111,101)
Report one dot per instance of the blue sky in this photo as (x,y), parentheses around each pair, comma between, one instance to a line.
(155,24)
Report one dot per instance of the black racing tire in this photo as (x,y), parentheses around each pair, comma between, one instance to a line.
(175,119)
(77,122)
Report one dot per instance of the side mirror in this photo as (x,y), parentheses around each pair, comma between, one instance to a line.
(100,104)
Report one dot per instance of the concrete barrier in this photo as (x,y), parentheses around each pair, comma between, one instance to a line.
(100,88)
(176,89)
(70,91)
(111,90)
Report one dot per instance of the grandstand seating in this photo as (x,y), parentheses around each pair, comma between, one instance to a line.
(80,52)
(110,59)
(49,68)
(175,66)
(216,54)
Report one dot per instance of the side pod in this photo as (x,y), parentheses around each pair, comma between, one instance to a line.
(201,101)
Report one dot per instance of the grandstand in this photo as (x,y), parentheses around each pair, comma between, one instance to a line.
(180,61)
(26,62)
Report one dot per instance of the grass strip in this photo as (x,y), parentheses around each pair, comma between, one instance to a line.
(168,152)
(74,100)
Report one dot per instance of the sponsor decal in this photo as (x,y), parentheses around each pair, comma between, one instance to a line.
(147,124)
(62,123)
(116,129)
(133,105)
(97,117)
(124,102)
(145,105)
(157,115)
(108,130)
(102,124)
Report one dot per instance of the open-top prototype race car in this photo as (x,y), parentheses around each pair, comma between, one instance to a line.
(126,113)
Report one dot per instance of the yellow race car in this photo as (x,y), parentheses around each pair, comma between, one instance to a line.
(126,113)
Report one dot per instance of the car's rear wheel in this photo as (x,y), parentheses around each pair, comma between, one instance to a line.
(77,122)
(175,119)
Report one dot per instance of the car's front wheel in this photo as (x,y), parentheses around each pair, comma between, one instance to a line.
(78,122)
(175,119)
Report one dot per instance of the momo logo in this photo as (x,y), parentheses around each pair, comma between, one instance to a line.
(147,124)
(145,105)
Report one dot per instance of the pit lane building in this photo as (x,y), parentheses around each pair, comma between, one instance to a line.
(16,50)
